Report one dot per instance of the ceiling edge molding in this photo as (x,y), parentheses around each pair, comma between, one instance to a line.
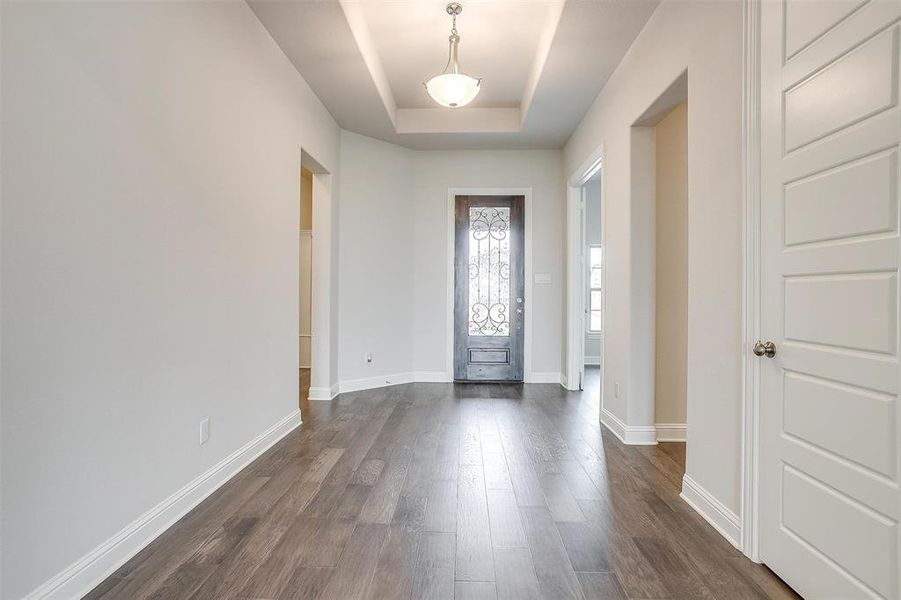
(360,31)
(555,11)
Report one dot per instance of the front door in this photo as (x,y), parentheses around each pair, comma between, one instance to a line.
(489,306)
(829,429)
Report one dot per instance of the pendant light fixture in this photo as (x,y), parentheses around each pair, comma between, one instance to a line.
(452,88)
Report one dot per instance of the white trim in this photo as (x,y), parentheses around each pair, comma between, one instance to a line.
(632,435)
(751,289)
(526,193)
(431,377)
(377,381)
(323,393)
(714,512)
(544,377)
(671,432)
(594,361)
(87,572)
(380,381)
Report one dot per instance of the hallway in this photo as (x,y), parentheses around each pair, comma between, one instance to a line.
(448,491)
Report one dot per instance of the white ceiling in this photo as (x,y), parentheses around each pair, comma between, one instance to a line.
(542,63)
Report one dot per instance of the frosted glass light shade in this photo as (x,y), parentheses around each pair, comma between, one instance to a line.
(453,90)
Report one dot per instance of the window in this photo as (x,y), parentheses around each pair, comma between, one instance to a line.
(595,281)
(489,271)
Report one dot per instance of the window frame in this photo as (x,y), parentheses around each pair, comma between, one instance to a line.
(590,288)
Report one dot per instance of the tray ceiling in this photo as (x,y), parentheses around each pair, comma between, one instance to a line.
(542,63)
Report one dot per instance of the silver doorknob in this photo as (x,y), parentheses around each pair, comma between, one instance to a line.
(767,349)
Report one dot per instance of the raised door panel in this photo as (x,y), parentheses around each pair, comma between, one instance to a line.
(854,87)
(806,21)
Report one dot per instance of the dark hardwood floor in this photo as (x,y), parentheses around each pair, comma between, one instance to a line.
(448,491)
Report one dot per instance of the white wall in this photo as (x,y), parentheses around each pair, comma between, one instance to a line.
(149,259)
(705,38)
(592,238)
(394,252)
(437,171)
(376,257)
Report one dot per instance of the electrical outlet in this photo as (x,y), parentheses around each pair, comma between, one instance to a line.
(369,357)
(204,431)
(616,390)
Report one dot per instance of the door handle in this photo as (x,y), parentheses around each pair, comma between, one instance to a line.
(767,349)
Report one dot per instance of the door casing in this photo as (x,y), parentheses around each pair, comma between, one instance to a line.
(575,271)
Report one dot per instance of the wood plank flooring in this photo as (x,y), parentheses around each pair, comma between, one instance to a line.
(442,491)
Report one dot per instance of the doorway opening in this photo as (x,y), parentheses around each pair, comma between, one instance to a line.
(317,325)
(671,275)
(585,278)
(656,406)
(592,282)
(305,283)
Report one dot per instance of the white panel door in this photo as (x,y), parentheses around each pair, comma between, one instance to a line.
(829,451)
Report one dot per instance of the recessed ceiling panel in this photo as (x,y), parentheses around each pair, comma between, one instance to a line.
(498,43)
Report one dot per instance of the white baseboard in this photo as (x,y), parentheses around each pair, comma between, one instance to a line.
(671,432)
(87,572)
(323,393)
(633,435)
(377,381)
(432,377)
(543,377)
(380,381)
(726,522)
(594,361)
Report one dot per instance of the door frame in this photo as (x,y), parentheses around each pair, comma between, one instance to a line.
(750,282)
(452,193)
(323,333)
(575,270)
